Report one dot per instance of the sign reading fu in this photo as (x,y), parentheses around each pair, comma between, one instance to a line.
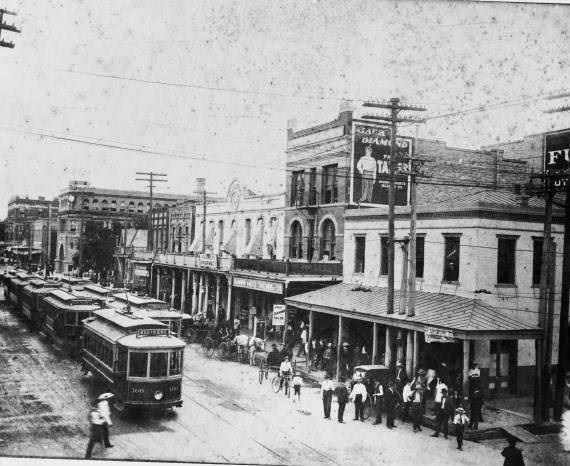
(557,157)
(436,335)
(370,169)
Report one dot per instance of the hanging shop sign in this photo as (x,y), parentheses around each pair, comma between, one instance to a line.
(370,165)
(278,314)
(437,335)
(206,261)
(259,285)
(557,157)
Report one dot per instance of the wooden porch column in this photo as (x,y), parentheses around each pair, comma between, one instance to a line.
(217,304)
(415,361)
(201,293)
(229,303)
(388,352)
(173,288)
(194,293)
(338,345)
(206,295)
(400,346)
(409,353)
(311,324)
(465,368)
(374,342)
(157,283)
(183,291)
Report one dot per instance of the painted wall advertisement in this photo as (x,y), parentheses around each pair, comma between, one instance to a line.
(557,156)
(370,173)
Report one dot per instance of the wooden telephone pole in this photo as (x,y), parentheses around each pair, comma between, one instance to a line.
(151,178)
(395,160)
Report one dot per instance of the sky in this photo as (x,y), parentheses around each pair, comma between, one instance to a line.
(205,89)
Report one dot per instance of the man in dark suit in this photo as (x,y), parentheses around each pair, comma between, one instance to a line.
(391,400)
(445,411)
(341,392)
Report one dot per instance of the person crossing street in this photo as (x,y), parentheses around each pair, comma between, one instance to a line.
(95,430)
(327,389)
(105,411)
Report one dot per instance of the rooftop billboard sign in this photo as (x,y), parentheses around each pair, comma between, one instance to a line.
(557,157)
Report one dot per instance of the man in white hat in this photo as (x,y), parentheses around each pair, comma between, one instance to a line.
(358,396)
(105,412)
(95,430)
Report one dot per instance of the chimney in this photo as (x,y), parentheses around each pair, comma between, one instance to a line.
(346,106)
(523,199)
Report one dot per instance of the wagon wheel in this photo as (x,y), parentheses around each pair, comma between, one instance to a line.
(368,409)
(276,384)
(223,350)
(208,346)
(191,335)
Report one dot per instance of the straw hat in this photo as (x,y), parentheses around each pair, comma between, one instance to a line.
(105,396)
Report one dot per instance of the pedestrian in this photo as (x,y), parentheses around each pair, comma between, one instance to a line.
(341,392)
(378,397)
(391,400)
(358,396)
(475,407)
(445,411)
(407,400)
(328,360)
(460,421)
(439,387)
(327,389)
(513,455)
(297,382)
(401,376)
(418,394)
(285,370)
(302,345)
(95,429)
(105,412)
(474,375)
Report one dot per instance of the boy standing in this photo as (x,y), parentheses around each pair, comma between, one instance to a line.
(297,382)
(460,420)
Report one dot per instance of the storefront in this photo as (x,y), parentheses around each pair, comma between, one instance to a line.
(447,333)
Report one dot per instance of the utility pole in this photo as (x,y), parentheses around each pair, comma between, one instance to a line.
(151,178)
(395,159)
(48,258)
(7,27)
(201,190)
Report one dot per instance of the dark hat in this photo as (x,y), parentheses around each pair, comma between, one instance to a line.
(327,376)
(274,345)
(421,371)
(512,440)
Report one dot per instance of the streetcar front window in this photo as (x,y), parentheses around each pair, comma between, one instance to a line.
(138,365)
(175,362)
(158,364)
(174,327)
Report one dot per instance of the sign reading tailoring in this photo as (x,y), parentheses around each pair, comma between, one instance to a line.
(259,285)
(437,335)
(557,156)
(370,170)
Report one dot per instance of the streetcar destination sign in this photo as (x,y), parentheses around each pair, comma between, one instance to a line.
(151,332)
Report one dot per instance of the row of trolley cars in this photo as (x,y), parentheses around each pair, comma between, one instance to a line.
(130,343)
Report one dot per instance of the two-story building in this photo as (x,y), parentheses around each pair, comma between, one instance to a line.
(478,261)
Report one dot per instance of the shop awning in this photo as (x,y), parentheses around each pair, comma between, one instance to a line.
(466,318)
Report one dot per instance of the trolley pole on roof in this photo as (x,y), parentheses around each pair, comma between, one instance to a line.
(395,160)
(151,178)
(7,27)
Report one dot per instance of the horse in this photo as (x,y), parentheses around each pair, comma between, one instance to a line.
(248,345)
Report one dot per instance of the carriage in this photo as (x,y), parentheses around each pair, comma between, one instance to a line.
(62,313)
(137,357)
(370,374)
(32,294)
(196,328)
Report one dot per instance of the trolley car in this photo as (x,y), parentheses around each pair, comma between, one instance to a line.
(154,308)
(72,283)
(136,356)
(31,297)
(17,284)
(7,282)
(100,293)
(63,313)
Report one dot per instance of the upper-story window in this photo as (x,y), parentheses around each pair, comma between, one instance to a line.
(359,253)
(536,260)
(105,204)
(72,225)
(313,186)
(131,207)
(95,204)
(123,206)
(296,244)
(297,188)
(140,208)
(420,254)
(328,242)
(383,255)
(506,263)
(247,231)
(220,232)
(451,258)
(148,206)
(85,204)
(113,206)
(330,184)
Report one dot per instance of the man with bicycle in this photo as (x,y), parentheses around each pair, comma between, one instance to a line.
(285,370)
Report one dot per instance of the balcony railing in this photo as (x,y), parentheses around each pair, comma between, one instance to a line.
(288,267)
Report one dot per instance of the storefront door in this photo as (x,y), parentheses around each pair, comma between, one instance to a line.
(503,366)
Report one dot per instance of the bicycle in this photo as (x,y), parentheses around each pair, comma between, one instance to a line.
(276,384)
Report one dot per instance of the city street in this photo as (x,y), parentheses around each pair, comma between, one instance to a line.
(227,417)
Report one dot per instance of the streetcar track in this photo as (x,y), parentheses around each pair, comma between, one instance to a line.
(309,447)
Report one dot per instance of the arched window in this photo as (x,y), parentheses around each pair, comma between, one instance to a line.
(156,206)
(123,206)
(179,239)
(114,206)
(148,206)
(95,204)
(247,231)
(85,204)
(328,240)
(105,204)
(131,207)
(140,208)
(296,244)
